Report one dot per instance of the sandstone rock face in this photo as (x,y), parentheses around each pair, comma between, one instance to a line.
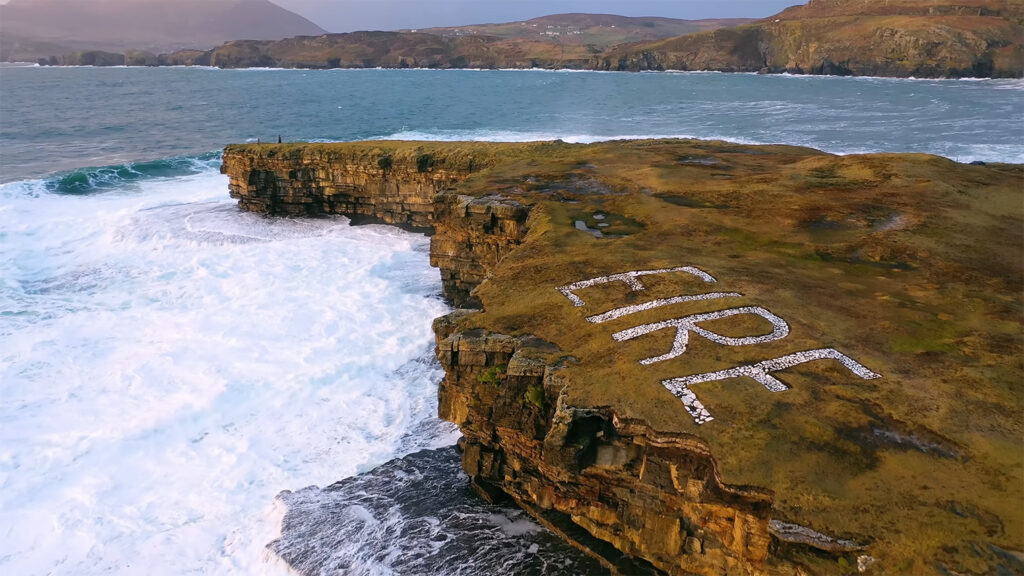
(471,235)
(652,496)
(372,185)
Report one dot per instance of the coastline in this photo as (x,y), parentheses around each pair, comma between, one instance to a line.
(577,438)
(783,73)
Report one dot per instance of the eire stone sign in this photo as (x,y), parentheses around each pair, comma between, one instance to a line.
(680,387)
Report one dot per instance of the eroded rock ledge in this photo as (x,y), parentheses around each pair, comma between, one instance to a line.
(414,190)
(808,477)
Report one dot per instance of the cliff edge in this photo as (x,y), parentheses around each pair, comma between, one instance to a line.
(695,357)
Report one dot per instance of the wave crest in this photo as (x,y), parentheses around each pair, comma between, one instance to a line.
(91,180)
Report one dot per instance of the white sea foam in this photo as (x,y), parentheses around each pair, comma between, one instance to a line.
(169,364)
(1011,153)
(486,135)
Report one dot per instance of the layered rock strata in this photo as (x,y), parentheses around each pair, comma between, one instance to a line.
(469,235)
(656,497)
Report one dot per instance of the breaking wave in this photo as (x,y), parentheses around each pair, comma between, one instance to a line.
(105,178)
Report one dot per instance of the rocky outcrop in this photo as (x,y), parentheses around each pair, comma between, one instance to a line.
(652,496)
(413,189)
(850,37)
(471,236)
(823,470)
(655,497)
(638,500)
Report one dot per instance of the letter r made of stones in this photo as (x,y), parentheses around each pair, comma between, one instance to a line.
(688,324)
(680,387)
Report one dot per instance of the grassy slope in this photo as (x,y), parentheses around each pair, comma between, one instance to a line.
(909,264)
(398,50)
(600,31)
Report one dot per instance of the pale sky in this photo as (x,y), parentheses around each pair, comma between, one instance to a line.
(348,15)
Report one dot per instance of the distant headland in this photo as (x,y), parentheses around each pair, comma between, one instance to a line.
(895,38)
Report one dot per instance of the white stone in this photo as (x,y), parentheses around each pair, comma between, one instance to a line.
(680,387)
(627,310)
(688,324)
(630,279)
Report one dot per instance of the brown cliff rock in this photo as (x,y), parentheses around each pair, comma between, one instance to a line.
(652,496)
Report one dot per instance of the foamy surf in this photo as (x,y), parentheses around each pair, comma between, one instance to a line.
(170,364)
(959,152)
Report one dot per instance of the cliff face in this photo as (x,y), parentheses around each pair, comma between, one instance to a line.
(413,189)
(657,498)
(851,37)
(882,442)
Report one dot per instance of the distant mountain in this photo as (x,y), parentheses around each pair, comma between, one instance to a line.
(30,29)
(600,31)
(923,38)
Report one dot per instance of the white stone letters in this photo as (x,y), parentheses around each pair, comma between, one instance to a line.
(627,310)
(688,324)
(630,279)
(680,387)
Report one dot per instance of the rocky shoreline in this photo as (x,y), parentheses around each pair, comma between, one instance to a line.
(625,477)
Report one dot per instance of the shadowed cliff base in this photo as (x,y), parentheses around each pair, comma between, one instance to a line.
(811,366)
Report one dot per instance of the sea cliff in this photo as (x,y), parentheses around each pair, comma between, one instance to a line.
(865,293)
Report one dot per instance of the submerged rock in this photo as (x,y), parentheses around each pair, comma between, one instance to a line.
(416,515)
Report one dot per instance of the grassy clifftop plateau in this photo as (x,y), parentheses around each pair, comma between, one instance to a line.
(909,265)
(965,38)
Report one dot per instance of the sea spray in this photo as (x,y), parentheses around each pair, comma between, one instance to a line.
(170,364)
